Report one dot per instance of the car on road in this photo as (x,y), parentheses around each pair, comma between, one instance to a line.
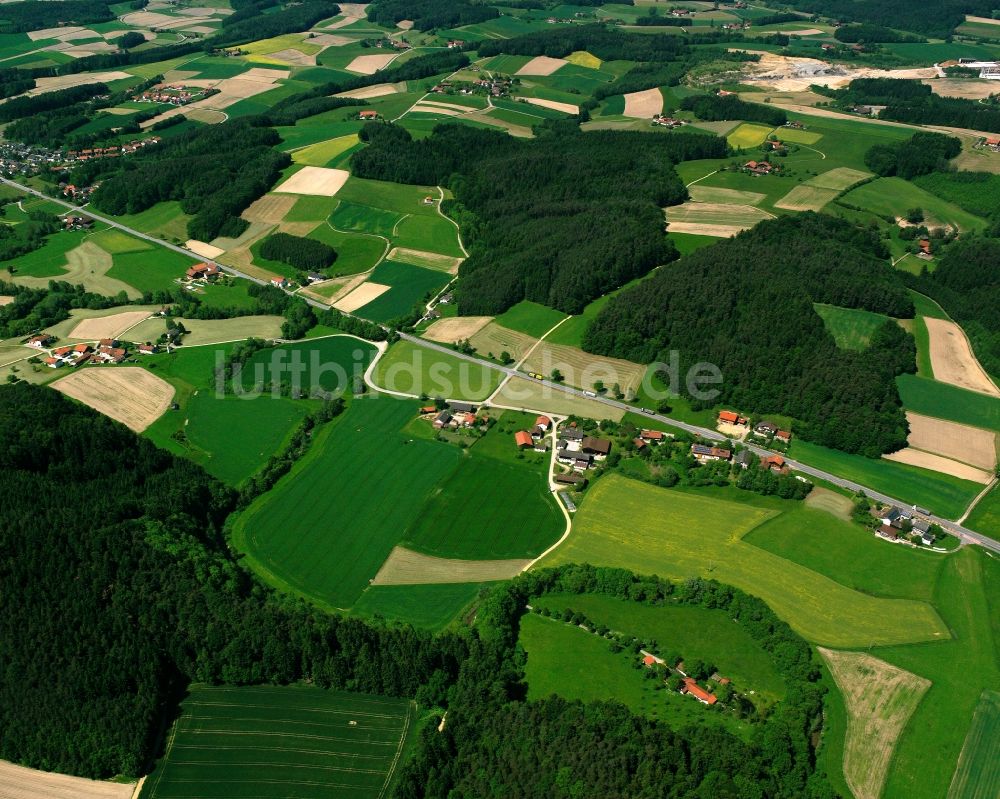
(590,393)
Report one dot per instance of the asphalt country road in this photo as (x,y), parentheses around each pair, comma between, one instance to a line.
(970,536)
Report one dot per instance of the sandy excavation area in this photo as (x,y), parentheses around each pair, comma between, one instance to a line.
(405,567)
(108,326)
(360,297)
(952,358)
(788,74)
(315,180)
(18,782)
(458,328)
(643,105)
(960,442)
(127,394)
(542,65)
(370,64)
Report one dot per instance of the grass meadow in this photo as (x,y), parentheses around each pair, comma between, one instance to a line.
(678,535)
(575,664)
(894,196)
(978,773)
(933,398)
(412,369)
(851,328)
(943,494)
(431,607)
(530,318)
(985,517)
(274,741)
(409,285)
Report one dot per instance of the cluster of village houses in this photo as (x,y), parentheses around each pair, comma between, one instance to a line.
(494,86)
(668,122)
(689,686)
(109,152)
(108,350)
(456,415)
(392,44)
(898,522)
(174,95)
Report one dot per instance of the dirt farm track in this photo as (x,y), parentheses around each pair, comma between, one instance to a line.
(17,782)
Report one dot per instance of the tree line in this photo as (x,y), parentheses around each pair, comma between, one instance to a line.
(938,19)
(579,216)
(32,310)
(714,107)
(921,154)
(746,305)
(33,15)
(430,14)
(869,34)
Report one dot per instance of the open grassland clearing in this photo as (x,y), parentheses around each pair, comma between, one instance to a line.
(697,633)
(943,494)
(953,360)
(323,153)
(985,517)
(18,782)
(127,394)
(748,135)
(406,567)
(573,663)
(583,369)
(679,535)
(522,392)
(959,670)
(240,742)
(456,328)
(713,219)
(851,328)
(960,442)
(880,699)
(430,607)
(71,256)
(493,340)
(806,198)
(214,331)
(798,136)
(895,196)
(411,369)
(978,772)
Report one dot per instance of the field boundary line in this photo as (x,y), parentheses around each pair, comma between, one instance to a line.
(703,177)
(399,751)
(458,230)
(972,505)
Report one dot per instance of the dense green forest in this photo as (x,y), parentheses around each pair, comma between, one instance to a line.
(27,236)
(921,154)
(28,106)
(554,749)
(560,220)
(429,14)
(33,15)
(746,305)
(976,192)
(13,81)
(34,309)
(298,251)
(937,19)
(156,600)
(215,171)
(713,107)
(966,283)
(869,34)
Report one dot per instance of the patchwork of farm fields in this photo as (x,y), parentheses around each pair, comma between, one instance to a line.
(649,529)
(272,741)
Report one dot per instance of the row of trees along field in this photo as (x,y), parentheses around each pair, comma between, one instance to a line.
(713,107)
(298,251)
(493,746)
(915,102)
(31,309)
(938,19)
(429,14)
(561,219)
(966,283)
(746,305)
(156,601)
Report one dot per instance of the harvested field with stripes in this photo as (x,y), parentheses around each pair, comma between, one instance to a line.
(18,782)
(644,105)
(713,219)
(498,339)
(714,194)
(274,741)
(406,567)
(457,328)
(806,198)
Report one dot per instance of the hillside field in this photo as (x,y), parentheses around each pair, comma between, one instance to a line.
(274,741)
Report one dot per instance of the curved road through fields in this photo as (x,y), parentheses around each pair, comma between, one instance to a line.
(965,534)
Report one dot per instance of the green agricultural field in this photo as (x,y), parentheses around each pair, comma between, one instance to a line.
(270,741)
(430,234)
(412,369)
(943,494)
(978,773)
(851,328)
(115,241)
(895,196)
(530,318)
(945,401)
(50,259)
(365,219)
(576,664)
(322,153)
(748,135)
(523,523)
(849,554)
(410,286)
(149,270)
(165,220)
(324,531)
(431,607)
(356,252)
(985,517)
(697,633)
(310,131)
(689,242)
(697,534)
